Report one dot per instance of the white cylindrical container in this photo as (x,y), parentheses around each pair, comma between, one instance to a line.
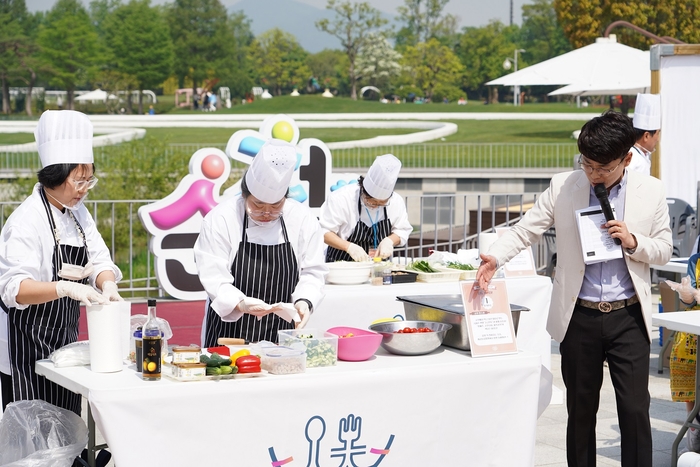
(125,327)
(104,326)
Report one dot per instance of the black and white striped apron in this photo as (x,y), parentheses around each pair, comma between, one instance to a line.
(363,235)
(266,272)
(38,330)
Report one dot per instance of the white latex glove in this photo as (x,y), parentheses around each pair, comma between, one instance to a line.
(304,313)
(82,293)
(357,253)
(110,291)
(686,292)
(385,248)
(254,306)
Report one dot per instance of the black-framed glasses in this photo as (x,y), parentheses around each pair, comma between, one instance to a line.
(588,168)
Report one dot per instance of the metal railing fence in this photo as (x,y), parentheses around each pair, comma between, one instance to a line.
(444,222)
(416,156)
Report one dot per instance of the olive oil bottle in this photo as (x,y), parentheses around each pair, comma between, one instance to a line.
(152,340)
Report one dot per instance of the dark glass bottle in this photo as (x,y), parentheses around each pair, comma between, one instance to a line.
(151,345)
(138,348)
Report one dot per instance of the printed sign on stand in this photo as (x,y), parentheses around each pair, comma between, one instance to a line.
(489,320)
(523,264)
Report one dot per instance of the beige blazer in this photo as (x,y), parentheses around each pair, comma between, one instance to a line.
(646,216)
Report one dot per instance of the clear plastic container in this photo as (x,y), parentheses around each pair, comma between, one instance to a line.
(321,347)
(377,270)
(280,360)
(186,354)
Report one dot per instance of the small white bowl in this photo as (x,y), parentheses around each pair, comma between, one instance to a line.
(348,273)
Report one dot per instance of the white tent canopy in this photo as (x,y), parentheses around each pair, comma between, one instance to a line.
(98,95)
(605,89)
(604,67)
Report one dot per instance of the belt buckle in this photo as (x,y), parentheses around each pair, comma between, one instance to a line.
(605,307)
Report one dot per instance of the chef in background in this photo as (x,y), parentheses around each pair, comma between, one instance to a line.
(647,130)
(366,219)
(260,255)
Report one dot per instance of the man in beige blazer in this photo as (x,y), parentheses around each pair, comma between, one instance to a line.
(600,311)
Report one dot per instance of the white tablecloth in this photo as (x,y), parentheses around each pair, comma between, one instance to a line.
(359,305)
(443,409)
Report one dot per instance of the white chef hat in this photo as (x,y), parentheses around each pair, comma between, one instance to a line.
(381,176)
(64,137)
(271,171)
(647,112)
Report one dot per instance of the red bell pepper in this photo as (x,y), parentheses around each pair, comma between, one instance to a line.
(248,364)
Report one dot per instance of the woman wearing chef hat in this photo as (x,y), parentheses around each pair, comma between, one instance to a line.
(366,216)
(52,259)
(259,255)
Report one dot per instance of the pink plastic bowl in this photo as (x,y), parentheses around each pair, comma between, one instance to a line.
(361,346)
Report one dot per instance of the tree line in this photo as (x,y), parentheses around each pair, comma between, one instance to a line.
(125,47)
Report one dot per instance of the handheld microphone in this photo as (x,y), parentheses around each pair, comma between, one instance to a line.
(602,194)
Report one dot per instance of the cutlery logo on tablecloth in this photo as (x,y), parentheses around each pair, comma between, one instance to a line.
(347,449)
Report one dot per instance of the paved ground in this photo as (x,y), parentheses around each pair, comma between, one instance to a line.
(666,419)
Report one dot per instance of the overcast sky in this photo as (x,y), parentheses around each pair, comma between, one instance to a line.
(470,12)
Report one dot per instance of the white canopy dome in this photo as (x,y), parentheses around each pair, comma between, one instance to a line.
(604,67)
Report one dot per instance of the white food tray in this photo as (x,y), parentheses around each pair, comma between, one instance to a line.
(464,275)
(166,370)
(451,275)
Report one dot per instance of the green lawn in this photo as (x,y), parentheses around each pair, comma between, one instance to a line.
(319,104)
(470,131)
(16,138)
(222,135)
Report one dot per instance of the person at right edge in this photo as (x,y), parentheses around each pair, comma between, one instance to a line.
(600,311)
(685,350)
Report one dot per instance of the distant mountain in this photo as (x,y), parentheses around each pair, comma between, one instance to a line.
(293,17)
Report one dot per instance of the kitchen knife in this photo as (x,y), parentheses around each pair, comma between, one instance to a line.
(232,341)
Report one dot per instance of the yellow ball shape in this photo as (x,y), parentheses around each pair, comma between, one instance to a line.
(284,131)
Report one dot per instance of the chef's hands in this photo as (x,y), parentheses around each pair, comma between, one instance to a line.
(386,248)
(357,253)
(110,291)
(686,292)
(304,313)
(618,229)
(254,306)
(486,270)
(82,293)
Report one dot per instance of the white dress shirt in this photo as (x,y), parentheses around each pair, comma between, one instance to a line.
(641,160)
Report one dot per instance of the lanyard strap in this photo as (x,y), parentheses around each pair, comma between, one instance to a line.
(374,224)
(52,221)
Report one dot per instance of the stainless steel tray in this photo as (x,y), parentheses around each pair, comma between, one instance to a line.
(447,309)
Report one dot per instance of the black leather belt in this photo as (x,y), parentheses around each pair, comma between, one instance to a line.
(607,307)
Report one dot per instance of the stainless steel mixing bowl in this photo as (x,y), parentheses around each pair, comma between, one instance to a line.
(418,343)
